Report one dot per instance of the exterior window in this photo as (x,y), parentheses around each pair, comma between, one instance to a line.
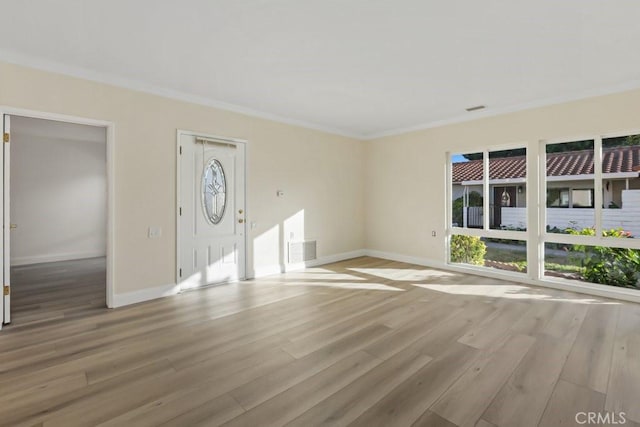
(570,198)
(558,198)
(582,198)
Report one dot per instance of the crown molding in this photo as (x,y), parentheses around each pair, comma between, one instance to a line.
(30,61)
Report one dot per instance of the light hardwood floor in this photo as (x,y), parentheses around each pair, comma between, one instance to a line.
(364,342)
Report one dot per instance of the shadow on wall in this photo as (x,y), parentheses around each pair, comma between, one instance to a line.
(270,249)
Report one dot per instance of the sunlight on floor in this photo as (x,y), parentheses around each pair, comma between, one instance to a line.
(304,275)
(404,274)
(349,285)
(516,292)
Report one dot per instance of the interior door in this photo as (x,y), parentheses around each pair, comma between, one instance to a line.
(5,309)
(211,209)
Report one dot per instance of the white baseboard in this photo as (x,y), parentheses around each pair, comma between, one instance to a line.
(38,259)
(268,270)
(278,269)
(425,262)
(325,260)
(127,298)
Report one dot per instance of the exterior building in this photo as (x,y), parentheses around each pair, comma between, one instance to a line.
(570,190)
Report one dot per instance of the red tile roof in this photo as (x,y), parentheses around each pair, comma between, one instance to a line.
(614,160)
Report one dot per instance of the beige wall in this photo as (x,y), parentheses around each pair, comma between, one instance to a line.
(326,176)
(320,173)
(405,174)
(58,197)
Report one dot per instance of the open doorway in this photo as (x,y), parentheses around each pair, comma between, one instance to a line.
(58,219)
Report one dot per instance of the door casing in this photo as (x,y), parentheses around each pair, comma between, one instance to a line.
(110,147)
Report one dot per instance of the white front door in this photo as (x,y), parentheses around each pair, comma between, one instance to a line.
(211,211)
(5,306)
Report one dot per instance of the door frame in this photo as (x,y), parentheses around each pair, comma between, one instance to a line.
(110,168)
(245,143)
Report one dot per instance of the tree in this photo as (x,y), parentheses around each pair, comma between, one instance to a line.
(621,141)
(517,152)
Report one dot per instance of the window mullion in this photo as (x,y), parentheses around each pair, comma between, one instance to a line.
(537,239)
(597,197)
(485,190)
(448,192)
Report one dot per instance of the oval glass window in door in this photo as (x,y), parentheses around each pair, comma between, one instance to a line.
(214,191)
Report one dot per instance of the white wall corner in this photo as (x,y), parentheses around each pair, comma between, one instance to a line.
(278,269)
(325,260)
(268,270)
(128,298)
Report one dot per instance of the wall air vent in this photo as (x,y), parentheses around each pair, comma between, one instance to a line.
(302,251)
(476,108)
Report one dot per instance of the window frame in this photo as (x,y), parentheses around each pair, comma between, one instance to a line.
(486,231)
(536,235)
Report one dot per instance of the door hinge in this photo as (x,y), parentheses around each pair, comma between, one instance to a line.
(180,272)
(181,211)
(6,137)
(181,149)
(7,290)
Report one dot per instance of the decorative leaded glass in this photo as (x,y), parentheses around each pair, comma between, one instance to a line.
(214,191)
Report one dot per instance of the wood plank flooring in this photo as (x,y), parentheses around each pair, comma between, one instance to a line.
(52,291)
(363,342)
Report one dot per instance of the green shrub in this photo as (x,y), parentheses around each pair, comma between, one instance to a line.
(467,250)
(609,266)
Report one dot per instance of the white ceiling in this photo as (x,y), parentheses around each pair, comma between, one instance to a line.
(357,67)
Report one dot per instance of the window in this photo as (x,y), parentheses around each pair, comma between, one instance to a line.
(589,226)
(489,209)
(507,189)
(621,186)
(582,198)
(467,190)
(570,198)
(558,198)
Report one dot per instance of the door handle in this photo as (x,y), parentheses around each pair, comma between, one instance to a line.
(12,226)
